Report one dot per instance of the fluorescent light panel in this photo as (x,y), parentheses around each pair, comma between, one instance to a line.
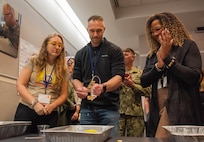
(63,4)
(61,16)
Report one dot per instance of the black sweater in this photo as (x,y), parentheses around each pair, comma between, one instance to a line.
(183,104)
(109,62)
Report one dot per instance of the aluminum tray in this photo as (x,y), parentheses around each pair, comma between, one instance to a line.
(13,128)
(78,133)
(186,133)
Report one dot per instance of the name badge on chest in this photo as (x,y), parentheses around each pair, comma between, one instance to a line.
(44,99)
(162,83)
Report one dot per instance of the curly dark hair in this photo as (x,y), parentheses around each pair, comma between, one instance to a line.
(176,28)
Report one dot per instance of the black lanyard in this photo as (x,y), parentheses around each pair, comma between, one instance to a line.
(93,65)
(47,81)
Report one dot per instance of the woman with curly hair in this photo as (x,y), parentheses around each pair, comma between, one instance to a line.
(173,68)
(43,84)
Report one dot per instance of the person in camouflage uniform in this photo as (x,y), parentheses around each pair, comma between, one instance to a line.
(131,121)
(11,28)
(69,111)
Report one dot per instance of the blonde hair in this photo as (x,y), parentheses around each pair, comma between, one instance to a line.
(173,24)
(60,65)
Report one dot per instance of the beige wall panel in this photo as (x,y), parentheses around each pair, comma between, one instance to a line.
(9,100)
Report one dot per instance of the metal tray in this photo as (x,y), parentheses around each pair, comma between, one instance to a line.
(186,133)
(78,133)
(13,128)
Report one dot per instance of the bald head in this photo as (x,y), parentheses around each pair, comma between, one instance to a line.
(9,15)
(7,9)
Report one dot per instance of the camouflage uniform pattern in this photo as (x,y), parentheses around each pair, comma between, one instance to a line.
(68,104)
(131,111)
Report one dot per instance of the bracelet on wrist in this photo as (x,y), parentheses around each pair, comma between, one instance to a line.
(33,103)
(171,63)
(157,68)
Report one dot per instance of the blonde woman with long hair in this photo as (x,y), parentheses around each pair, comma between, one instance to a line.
(43,84)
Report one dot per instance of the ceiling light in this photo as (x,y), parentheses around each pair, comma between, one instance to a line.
(61,17)
(63,4)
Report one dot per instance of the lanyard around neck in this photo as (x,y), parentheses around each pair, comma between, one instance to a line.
(47,80)
(93,65)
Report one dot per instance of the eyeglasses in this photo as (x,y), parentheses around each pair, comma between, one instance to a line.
(53,43)
(156,30)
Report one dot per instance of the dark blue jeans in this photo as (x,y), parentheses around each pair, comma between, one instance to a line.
(100,117)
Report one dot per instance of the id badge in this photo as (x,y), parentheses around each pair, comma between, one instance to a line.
(44,99)
(165,84)
(162,85)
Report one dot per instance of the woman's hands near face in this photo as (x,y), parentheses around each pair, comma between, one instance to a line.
(160,62)
(166,42)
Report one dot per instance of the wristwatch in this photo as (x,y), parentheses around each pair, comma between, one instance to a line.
(104,88)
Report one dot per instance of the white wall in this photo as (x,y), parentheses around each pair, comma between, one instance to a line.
(33,31)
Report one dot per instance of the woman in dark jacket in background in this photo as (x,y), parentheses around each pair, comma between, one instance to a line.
(173,68)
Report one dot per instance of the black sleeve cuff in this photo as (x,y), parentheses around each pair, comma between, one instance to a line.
(169,62)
